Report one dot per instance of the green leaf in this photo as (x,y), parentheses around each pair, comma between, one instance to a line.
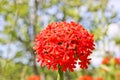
(19,54)
(3,41)
(23,10)
(98,33)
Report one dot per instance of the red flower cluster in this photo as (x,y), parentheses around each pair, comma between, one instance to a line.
(35,77)
(86,78)
(62,44)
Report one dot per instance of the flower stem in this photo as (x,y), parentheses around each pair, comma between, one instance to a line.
(60,73)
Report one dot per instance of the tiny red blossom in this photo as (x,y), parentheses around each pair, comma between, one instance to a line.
(106,60)
(86,78)
(62,43)
(34,77)
(117,61)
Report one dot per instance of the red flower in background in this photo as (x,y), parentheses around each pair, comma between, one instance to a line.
(62,44)
(99,78)
(106,60)
(35,77)
(86,78)
(117,61)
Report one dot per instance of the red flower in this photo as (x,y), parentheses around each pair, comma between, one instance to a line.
(63,43)
(106,60)
(117,61)
(99,78)
(35,77)
(86,78)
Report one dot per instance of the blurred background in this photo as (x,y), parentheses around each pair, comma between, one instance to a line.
(21,20)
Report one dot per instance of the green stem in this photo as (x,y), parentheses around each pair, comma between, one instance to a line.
(60,74)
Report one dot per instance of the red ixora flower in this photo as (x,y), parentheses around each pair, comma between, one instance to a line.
(34,77)
(86,78)
(62,43)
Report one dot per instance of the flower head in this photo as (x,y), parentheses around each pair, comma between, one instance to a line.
(62,43)
(35,77)
(86,78)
